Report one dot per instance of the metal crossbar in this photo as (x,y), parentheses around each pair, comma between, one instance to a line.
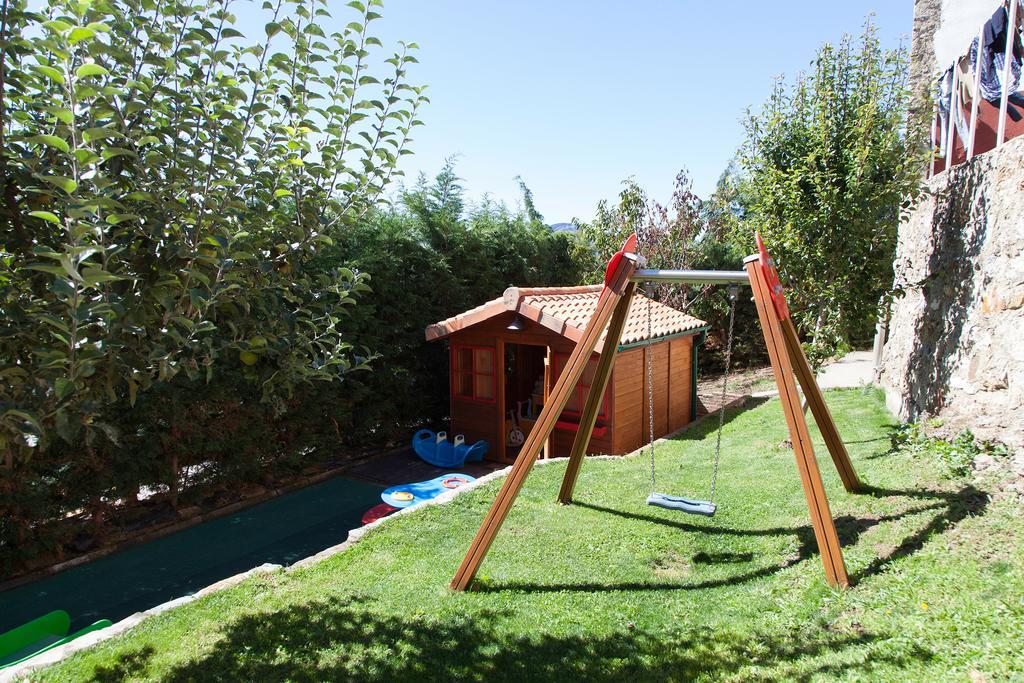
(707,277)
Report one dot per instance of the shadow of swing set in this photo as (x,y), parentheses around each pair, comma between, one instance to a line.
(789,365)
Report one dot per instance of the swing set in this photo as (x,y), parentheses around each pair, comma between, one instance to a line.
(789,365)
(691,506)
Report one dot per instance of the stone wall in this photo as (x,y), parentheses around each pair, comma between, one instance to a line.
(956,339)
(923,64)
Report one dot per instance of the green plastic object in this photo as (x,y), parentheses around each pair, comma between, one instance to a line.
(40,635)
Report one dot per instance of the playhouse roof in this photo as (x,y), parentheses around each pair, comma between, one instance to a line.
(566,311)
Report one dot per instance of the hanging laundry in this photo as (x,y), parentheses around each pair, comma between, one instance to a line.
(965,75)
(994,37)
(993,60)
(946,97)
(943,91)
(982,74)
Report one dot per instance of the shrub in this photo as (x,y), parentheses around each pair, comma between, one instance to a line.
(168,184)
(829,168)
(431,257)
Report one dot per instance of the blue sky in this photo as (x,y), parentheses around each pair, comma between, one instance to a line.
(575,96)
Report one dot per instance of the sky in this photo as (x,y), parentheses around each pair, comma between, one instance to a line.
(575,96)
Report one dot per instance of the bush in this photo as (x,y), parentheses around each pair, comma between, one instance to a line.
(431,258)
(829,169)
(168,187)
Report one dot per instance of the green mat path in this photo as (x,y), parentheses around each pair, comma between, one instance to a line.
(281,531)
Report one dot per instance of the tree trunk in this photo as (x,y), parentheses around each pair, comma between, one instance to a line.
(175,479)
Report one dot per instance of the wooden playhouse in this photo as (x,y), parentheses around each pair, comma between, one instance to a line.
(506,354)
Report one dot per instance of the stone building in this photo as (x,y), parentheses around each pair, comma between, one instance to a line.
(955,348)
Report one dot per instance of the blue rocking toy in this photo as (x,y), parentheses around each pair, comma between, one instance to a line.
(438,451)
(691,506)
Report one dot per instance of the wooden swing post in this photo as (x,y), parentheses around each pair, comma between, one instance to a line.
(617,277)
(782,356)
(789,365)
(592,407)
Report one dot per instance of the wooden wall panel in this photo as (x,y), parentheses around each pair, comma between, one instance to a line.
(629,399)
(660,373)
(475,420)
(561,443)
(680,382)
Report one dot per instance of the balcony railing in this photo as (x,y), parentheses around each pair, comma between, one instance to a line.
(966,121)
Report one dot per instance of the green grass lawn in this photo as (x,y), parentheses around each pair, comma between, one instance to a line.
(611,589)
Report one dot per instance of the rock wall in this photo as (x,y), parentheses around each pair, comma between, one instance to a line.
(956,339)
(923,63)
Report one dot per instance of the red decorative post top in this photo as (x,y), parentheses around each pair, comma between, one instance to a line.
(771,276)
(628,247)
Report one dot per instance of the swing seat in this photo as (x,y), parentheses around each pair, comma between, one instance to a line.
(690,506)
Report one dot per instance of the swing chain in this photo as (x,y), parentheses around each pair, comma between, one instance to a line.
(734,292)
(650,293)
(650,383)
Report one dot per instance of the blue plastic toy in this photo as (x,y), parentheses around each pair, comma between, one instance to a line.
(440,452)
(406,495)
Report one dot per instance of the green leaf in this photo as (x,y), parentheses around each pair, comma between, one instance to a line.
(50,72)
(282,193)
(62,387)
(46,216)
(95,276)
(57,25)
(90,134)
(46,268)
(111,152)
(63,182)
(87,70)
(63,115)
(55,322)
(86,156)
(51,141)
(116,218)
(272,28)
(80,33)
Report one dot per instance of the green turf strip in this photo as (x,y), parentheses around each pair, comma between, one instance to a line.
(280,531)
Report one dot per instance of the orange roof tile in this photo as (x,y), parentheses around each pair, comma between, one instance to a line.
(566,311)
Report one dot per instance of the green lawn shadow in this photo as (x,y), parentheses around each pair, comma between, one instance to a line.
(950,509)
(348,639)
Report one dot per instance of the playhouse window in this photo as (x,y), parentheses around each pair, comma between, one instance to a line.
(574,407)
(473,372)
